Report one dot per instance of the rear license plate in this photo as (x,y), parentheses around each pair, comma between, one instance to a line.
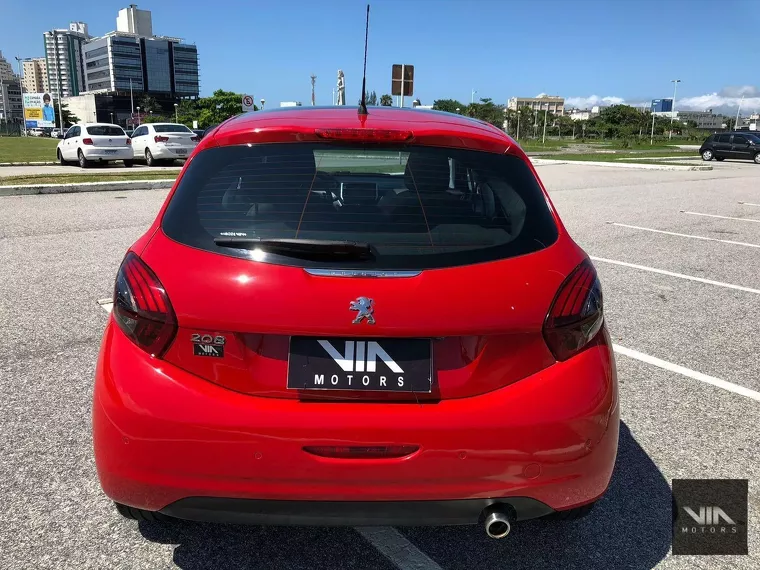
(110,152)
(180,151)
(377,365)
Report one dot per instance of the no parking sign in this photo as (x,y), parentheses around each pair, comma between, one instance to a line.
(248,103)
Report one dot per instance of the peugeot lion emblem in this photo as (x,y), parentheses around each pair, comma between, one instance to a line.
(365,307)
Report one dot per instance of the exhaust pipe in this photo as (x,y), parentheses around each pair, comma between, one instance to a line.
(498,520)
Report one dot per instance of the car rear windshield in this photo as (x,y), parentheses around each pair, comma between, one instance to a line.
(105,131)
(416,207)
(172,129)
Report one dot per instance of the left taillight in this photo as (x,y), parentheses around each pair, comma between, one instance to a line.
(141,307)
(576,314)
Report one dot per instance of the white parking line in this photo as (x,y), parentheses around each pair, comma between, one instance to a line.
(665,365)
(107,304)
(748,204)
(679,275)
(721,217)
(686,235)
(396,548)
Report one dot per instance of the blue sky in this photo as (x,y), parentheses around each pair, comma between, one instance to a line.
(584,50)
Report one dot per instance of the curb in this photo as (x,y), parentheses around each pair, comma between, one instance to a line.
(28,190)
(28,164)
(634,165)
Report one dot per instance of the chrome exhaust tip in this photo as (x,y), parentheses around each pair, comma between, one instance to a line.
(497,524)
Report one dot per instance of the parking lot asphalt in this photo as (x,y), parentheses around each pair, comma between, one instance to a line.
(116,168)
(689,302)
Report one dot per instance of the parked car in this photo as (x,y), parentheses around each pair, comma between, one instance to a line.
(57,133)
(35,132)
(742,145)
(328,322)
(87,143)
(157,142)
(199,132)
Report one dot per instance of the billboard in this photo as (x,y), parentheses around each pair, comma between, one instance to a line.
(38,110)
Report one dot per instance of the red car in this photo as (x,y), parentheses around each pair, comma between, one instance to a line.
(342,319)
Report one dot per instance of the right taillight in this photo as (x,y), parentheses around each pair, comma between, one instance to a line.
(141,307)
(576,315)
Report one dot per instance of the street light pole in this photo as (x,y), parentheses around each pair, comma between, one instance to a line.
(472,96)
(546,111)
(176,119)
(139,119)
(651,138)
(23,107)
(675,83)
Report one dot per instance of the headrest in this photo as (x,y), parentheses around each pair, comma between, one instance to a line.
(427,172)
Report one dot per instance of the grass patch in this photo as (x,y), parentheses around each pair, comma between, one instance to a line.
(78,178)
(27,149)
(625,156)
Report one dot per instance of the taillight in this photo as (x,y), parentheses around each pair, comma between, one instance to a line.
(159,138)
(129,141)
(141,307)
(373,452)
(87,141)
(195,138)
(365,135)
(576,315)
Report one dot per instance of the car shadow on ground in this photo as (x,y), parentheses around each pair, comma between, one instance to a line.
(629,528)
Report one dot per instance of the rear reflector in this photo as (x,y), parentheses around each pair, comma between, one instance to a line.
(576,314)
(365,135)
(141,307)
(374,452)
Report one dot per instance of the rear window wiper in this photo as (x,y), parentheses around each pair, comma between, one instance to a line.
(305,248)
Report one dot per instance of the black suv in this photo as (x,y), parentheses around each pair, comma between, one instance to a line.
(742,145)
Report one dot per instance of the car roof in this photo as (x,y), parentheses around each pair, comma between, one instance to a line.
(98,125)
(379,117)
(155,124)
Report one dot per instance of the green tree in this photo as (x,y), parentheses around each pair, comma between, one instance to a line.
(448,105)
(386,100)
(147,104)
(69,118)
(372,98)
(524,126)
(486,110)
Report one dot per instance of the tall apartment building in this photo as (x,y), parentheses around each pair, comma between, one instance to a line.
(661,105)
(134,21)
(549,103)
(6,69)
(35,79)
(64,55)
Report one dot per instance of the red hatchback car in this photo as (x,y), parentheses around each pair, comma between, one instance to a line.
(342,319)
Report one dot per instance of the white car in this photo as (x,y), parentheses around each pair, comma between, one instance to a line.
(163,141)
(35,132)
(95,142)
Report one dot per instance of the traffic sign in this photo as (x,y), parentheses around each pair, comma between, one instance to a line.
(402,80)
(248,103)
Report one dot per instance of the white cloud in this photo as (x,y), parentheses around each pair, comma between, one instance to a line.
(586,102)
(720,102)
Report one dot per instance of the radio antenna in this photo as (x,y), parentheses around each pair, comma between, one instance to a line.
(363,102)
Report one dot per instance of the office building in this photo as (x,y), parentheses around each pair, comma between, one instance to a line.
(703,119)
(583,114)
(155,64)
(661,106)
(133,58)
(133,21)
(543,102)
(64,59)
(35,78)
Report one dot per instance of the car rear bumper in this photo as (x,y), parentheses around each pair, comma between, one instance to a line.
(167,440)
(164,152)
(349,513)
(116,153)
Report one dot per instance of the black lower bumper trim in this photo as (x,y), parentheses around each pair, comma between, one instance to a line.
(347,513)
